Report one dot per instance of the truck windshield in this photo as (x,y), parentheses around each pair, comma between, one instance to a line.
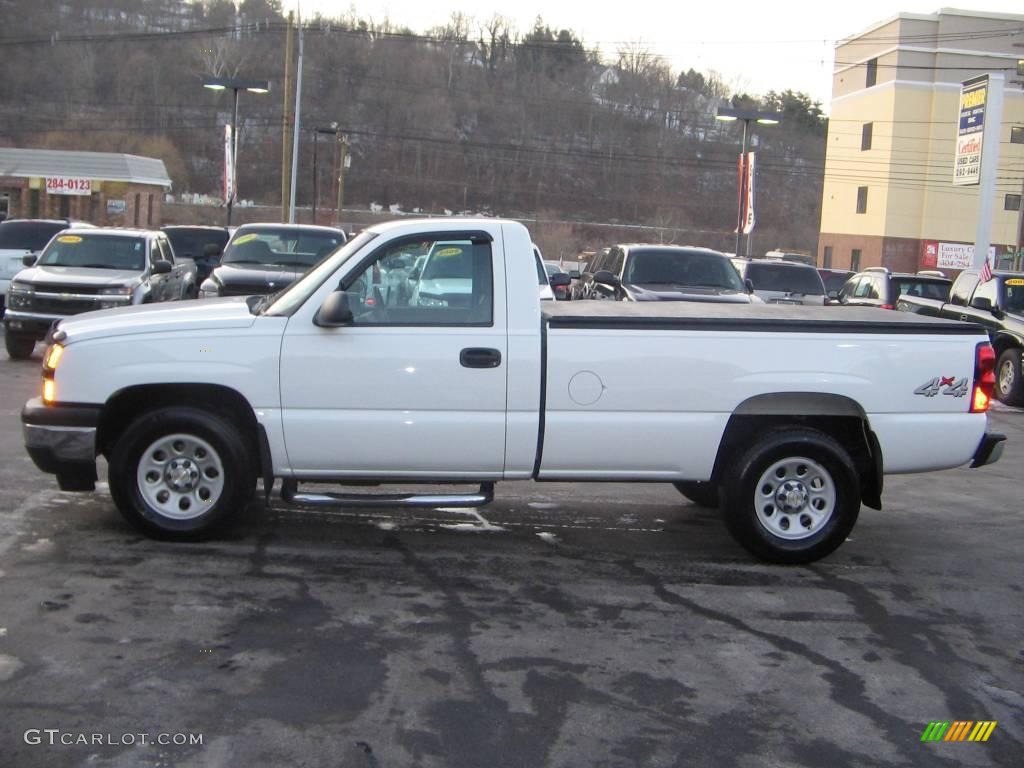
(281,247)
(190,243)
(784,277)
(1014,295)
(95,251)
(27,235)
(692,268)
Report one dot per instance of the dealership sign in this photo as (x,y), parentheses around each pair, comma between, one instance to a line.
(967,165)
(68,185)
(938,255)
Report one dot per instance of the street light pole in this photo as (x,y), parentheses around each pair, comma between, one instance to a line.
(728,114)
(236,85)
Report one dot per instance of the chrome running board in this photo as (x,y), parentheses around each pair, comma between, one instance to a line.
(290,494)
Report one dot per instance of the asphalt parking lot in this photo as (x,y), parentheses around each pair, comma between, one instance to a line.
(564,625)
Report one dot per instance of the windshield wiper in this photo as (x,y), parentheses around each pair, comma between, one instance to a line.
(290,264)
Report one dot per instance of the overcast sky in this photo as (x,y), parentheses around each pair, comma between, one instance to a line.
(754,46)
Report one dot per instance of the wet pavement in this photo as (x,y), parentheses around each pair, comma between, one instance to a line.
(563,625)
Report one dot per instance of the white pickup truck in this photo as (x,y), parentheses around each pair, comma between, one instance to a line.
(784,417)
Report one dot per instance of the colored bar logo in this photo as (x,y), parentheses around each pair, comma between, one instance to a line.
(958,730)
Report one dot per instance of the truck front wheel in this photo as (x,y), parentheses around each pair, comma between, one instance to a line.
(792,497)
(179,472)
(1009,382)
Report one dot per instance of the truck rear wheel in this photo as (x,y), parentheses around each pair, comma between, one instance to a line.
(792,497)
(179,472)
(19,346)
(701,494)
(1009,381)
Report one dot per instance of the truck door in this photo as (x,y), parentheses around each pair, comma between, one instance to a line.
(415,384)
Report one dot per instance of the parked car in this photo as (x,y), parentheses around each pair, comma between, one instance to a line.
(778,281)
(996,304)
(834,280)
(203,245)
(663,273)
(191,404)
(878,287)
(26,237)
(264,258)
(559,285)
(82,270)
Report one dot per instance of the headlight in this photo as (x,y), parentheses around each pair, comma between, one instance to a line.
(52,357)
(117,290)
(426,300)
(19,295)
(209,290)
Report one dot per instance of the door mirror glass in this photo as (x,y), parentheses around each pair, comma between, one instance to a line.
(748,284)
(604,277)
(28,260)
(560,279)
(983,303)
(162,267)
(334,312)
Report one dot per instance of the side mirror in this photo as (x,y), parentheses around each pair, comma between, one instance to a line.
(748,284)
(334,312)
(28,259)
(574,274)
(162,267)
(212,249)
(560,279)
(604,277)
(982,303)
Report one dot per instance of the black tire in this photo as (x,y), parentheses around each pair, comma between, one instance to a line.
(776,516)
(213,465)
(1009,381)
(701,494)
(19,346)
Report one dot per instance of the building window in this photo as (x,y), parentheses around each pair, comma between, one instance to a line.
(149,211)
(872,73)
(65,207)
(1011,203)
(865,136)
(33,203)
(862,199)
(855,260)
(1017,134)
(826,260)
(138,202)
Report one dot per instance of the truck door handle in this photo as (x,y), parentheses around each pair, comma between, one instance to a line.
(480,357)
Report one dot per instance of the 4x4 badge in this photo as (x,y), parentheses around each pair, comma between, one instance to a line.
(947,385)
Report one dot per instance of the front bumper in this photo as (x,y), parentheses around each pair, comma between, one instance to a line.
(61,439)
(36,324)
(989,449)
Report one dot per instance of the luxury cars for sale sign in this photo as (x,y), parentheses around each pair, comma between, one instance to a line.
(967,166)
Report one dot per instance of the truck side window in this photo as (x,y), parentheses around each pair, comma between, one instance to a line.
(963,288)
(454,285)
(615,259)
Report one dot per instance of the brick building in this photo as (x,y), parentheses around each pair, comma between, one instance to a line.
(103,188)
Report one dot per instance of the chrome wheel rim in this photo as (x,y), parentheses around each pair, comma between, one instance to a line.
(1006,374)
(180,476)
(795,498)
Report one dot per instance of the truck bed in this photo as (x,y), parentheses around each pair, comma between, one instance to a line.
(773,318)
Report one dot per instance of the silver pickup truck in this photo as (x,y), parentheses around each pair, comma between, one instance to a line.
(83,270)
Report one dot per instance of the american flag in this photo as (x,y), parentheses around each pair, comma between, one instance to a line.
(986,271)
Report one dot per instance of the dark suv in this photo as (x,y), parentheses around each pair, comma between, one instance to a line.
(878,287)
(662,273)
(203,245)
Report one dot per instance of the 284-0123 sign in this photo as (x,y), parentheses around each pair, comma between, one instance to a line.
(68,185)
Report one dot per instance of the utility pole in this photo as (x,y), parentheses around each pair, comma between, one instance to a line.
(286,120)
(296,131)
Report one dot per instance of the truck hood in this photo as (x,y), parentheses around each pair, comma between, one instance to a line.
(179,316)
(42,277)
(669,292)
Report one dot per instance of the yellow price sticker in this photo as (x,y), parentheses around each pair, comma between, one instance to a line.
(244,239)
(1015,281)
(445,252)
(69,239)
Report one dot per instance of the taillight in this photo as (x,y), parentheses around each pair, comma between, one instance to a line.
(984,377)
(888,306)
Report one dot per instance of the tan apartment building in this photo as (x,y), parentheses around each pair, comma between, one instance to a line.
(888,195)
